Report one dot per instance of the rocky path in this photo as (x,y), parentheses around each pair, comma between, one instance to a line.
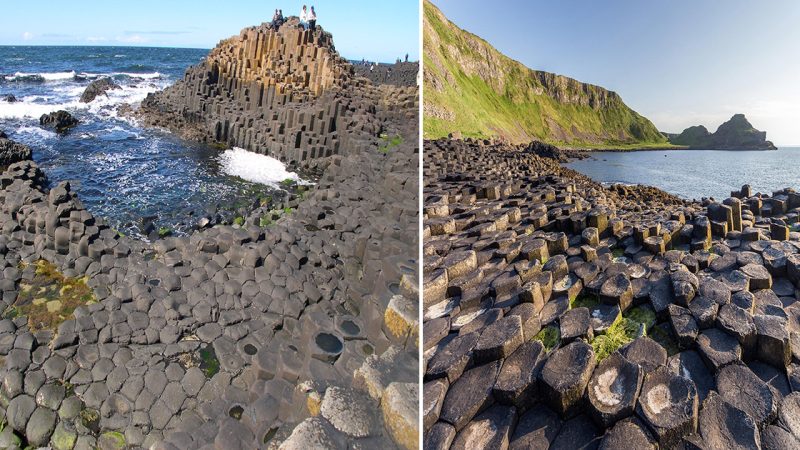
(560,313)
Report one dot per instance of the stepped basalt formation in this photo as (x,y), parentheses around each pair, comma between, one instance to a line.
(561,313)
(285,93)
(298,334)
(473,89)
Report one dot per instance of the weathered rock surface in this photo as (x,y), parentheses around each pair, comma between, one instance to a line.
(60,121)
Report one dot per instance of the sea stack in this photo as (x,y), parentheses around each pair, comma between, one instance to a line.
(298,332)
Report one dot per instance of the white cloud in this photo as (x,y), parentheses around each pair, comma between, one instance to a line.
(96,39)
(27,36)
(135,39)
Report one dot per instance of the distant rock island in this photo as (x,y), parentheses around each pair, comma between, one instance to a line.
(735,134)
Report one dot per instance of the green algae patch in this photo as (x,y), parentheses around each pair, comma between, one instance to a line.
(49,298)
(549,336)
(111,440)
(584,299)
(664,337)
(621,333)
(209,363)
(90,418)
(643,314)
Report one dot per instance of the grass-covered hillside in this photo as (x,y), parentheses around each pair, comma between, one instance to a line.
(473,89)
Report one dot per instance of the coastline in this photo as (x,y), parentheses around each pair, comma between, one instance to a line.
(562,272)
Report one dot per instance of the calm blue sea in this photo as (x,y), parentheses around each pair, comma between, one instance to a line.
(121,171)
(694,174)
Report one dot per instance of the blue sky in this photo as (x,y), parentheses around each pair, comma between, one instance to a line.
(677,62)
(377,30)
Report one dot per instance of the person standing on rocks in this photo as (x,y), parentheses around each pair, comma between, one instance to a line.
(312,19)
(304,18)
(277,19)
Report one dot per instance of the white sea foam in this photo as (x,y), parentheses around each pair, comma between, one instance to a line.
(21,110)
(37,131)
(255,167)
(144,76)
(46,76)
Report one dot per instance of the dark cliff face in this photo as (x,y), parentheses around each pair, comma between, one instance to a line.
(735,134)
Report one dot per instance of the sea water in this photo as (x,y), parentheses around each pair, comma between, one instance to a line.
(694,174)
(122,171)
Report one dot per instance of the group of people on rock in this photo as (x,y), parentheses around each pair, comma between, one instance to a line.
(308,19)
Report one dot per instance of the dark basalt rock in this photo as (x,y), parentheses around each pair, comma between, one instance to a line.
(578,432)
(613,390)
(98,87)
(537,428)
(645,352)
(740,387)
(469,395)
(689,364)
(517,383)
(565,375)
(61,121)
(668,404)
(722,425)
(11,152)
(628,434)
(490,429)
(499,340)
(735,134)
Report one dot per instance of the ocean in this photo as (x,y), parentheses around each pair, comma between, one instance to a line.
(127,174)
(694,174)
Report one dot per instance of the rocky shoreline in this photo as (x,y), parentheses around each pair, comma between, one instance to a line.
(298,332)
(564,314)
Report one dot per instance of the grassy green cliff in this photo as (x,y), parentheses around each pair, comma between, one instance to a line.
(473,89)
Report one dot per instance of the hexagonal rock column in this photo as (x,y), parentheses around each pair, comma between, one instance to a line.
(576,323)
(490,429)
(668,405)
(718,349)
(617,290)
(759,276)
(740,387)
(774,345)
(722,425)
(469,395)
(565,375)
(645,352)
(517,383)
(628,434)
(613,390)
(399,407)
(499,340)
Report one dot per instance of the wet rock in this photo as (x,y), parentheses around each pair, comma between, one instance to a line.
(565,375)
(61,121)
(98,87)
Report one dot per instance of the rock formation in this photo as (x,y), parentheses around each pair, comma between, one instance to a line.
(298,333)
(284,93)
(562,313)
(735,134)
(60,121)
(472,88)
(98,87)
(11,152)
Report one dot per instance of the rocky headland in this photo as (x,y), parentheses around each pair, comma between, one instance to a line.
(561,313)
(298,333)
(735,134)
